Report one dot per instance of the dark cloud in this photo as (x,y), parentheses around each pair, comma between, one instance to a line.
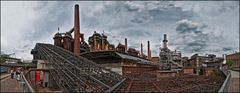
(192,34)
(137,20)
(197,45)
(171,14)
(227,49)
(195,38)
(130,9)
(186,26)
(137,33)
(207,25)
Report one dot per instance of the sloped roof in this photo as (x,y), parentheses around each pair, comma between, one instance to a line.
(137,59)
(117,55)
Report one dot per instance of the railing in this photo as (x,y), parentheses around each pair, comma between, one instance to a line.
(74,73)
(226,84)
(25,86)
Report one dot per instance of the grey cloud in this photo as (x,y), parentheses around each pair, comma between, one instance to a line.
(137,33)
(2,52)
(197,39)
(227,48)
(131,9)
(142,21)
(197,45)
(171,14)
(137,20)
(192,30)
(186,26)
(50,20)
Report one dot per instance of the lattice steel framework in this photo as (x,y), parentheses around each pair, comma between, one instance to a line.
(75,73)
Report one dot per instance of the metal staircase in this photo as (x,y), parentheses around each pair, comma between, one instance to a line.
(75,73)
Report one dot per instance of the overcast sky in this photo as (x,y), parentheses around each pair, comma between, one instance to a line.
(192,27)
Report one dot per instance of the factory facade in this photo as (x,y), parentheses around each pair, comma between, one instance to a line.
(235,58)
(129,61)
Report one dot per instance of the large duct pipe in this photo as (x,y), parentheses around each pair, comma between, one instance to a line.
(82,37)
(149,51)
(76,49)
(71,30)
(126,46)
(165,41)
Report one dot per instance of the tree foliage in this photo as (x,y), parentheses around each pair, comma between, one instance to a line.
(229,63)
(2,59)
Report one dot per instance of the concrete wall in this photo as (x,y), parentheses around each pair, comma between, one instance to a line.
(116,67)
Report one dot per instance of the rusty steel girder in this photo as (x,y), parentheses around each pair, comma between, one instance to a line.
(74,73)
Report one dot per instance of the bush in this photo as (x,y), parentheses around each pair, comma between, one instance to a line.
(229,63)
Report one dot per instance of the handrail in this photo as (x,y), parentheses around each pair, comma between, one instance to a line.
(226,84)
(26,87)
(115,86)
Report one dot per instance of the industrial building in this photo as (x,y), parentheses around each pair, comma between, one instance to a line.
(201,64)
(169,59)
(73,65)
(235,58)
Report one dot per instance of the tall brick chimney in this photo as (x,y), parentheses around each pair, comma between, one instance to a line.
(76,49)
(103,45)
(149,51)
(126,46)
(94,41)
(141,49)
(165,41)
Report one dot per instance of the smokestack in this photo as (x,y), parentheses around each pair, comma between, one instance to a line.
(141,49)
(94,41)
(165,41)
(149,51)
(103,48)
(76,49)
(126,46)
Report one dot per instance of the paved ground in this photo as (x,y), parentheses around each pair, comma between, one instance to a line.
(234,74)
(4,75)
(10,85)
(234,86)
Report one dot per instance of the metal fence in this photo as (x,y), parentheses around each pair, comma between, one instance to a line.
(24,85)
(226,84)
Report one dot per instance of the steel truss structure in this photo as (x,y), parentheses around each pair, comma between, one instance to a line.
(75,73)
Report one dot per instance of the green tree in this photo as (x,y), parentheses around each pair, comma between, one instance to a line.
(229,63)
(2,59)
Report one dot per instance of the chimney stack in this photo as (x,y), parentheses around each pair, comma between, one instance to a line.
(165,41)
(126,46)
(94,41)
(141,49)
(149,51)
(76,49)
(103,48)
